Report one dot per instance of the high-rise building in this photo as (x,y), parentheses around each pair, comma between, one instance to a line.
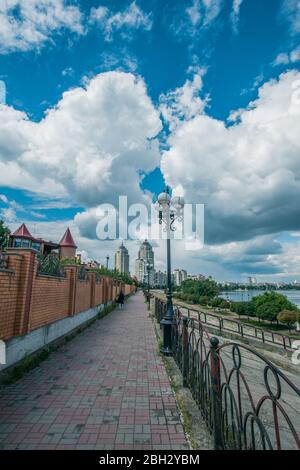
(122,260)
(160,279)
(145,258)
(179,275)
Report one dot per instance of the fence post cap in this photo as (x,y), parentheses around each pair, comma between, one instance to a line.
(214,342)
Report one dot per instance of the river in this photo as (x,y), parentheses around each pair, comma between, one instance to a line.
(240,296)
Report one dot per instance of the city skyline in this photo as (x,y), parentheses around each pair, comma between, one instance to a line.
(202,96)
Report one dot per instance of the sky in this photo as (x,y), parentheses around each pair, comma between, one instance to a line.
(106,98)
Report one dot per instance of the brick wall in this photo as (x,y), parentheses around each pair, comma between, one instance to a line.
(99,287)
(83,295)
(29,300)
(50,300)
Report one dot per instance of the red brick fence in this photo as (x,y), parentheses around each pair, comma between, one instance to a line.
(29,300)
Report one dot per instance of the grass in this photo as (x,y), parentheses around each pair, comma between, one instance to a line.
(267,326)
(187,422)
(34,360)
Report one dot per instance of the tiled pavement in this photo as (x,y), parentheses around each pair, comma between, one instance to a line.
(105,389)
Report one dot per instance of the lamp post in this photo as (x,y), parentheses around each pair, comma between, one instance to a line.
(148,283)
(170,210)
(107,261)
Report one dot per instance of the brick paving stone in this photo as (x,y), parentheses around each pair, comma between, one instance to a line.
(106,389)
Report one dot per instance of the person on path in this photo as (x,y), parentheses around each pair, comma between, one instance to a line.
(120,299)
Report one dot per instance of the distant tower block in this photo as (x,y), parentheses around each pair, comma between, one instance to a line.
(67,246)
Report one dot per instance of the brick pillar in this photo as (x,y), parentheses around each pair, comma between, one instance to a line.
(106,290)
(92,279)
(71,275)
(25,272)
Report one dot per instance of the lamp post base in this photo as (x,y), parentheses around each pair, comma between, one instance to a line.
(166,323)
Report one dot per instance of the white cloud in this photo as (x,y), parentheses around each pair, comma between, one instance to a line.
(199,15)
(67,72)
(183,103)
(204,11)
(122,61)
(8,214)
(291,12)
(235,14)
(285,58)
(2,92)
(3,198)
(247,174)
(90,147)
(28,24)
(130,19)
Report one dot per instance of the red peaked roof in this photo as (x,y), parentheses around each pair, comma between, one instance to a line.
(23,231)
(67,240)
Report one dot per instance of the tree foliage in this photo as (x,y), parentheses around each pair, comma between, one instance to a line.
(115,274)
(243,308)
(4,235)
(288,317)
(270,304)
(200,288)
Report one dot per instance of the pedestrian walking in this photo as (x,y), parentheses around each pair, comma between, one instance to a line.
(120,299)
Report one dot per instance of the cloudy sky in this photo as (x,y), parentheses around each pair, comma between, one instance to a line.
(101,98)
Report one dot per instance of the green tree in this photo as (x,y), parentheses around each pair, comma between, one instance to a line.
(288,317)
(200,288)
(270,304)
(4,235)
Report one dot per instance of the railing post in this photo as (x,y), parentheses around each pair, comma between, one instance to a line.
(185,351)
(284,343)
(216,393)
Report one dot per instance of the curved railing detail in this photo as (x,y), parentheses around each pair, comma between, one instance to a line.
(246,401)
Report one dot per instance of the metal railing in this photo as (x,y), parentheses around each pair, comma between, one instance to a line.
(82,274)
(3,260)
(50,265)
(245,400)
(244,330)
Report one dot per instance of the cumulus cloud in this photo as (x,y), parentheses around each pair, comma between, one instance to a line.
(91,145)
(247,174)
(28,24)
(184,103)
(130,19)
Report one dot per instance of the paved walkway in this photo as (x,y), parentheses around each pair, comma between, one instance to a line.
(105,389)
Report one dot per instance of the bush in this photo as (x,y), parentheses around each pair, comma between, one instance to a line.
(270,304)
(204,300)
(243,308)
(225,304)
(288,317)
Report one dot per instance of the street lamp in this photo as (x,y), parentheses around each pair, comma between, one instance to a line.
(107,261)
(170,210)
(148,279)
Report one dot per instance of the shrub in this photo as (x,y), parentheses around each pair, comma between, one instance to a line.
(270,304)
(288,317)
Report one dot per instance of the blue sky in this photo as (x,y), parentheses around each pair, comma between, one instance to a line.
(217,54)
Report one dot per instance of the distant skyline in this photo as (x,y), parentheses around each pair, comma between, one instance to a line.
(119,97)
